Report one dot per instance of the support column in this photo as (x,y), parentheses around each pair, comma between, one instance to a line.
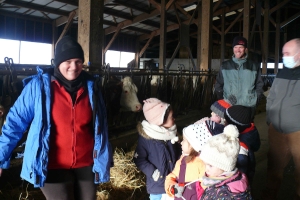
(206,33)
(277,40)
(246,20)
(54,37)
(199,38)
(222,37)
(90,30)
(137,57)
(163,35)
(266,37)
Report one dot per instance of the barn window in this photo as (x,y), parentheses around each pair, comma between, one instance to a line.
(26,52)
(118,58)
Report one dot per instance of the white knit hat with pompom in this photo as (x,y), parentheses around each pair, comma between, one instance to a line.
(222,150)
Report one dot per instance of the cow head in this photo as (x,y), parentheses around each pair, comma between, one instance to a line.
(129,100)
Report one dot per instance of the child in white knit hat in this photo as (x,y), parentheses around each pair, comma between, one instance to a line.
(181,183)
(157,149)
(222,179)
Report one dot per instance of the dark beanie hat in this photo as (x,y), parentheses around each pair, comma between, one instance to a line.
(239,40)
(219,107)
(238,115)
(67,48)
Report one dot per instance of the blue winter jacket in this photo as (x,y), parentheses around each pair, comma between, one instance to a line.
(151,154)
(32,110)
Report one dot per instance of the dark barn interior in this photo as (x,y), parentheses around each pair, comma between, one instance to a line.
(164,30)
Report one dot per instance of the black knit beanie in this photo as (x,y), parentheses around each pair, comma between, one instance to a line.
(67,48)
(240,116)
(239,40)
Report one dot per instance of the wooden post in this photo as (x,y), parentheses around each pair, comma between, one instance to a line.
(266,37)
(199,38)
(206,34)
(277,40)
(90,30)
(222,37)
(163,34)
(246,21)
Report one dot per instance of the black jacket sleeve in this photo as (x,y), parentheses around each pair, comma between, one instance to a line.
(219,85)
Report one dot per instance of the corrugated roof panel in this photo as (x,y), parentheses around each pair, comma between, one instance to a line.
(22,10)
(9,8)
(41,2)
(68,8)
(37,14)
(53,16)
(55,4)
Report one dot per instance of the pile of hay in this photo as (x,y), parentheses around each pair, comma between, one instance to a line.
(126,181)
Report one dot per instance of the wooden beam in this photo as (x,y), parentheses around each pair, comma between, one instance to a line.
(67,26)
(216,6)
(277,41)
(146,45)
(229,9)
(22,16)
(266,37)
(246,19)
(222,37)
(145,16)
(90,31)
(234,21)
(206,35)
(163,35)
(289,20)
(278,6)
(216,29)
(199,19)
(113,38)
(169,4)
(36,7)
(155,4)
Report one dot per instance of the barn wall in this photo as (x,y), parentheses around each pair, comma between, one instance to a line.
(16,28)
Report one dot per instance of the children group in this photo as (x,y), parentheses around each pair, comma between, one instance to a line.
(216,159)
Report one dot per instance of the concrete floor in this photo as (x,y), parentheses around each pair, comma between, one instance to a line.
(287,186)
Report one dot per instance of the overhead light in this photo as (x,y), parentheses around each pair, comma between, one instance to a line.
(215,1)
(216,18)
(189,8)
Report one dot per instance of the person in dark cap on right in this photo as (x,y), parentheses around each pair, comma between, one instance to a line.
(240,116)
(67,151)
(239,78)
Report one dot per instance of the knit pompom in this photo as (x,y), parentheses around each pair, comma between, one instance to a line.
(231,132)
(175,139)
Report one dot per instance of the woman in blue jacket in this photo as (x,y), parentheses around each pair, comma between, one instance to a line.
(67,149)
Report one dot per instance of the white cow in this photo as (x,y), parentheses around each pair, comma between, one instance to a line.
(129,100)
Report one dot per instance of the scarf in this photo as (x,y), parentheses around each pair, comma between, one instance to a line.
(210,181)
(71,86)
(240,61)
(160,132)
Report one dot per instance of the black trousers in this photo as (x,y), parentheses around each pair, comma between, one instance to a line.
(70,184)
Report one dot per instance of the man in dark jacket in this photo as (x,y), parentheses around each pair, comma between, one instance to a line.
(239,79)
(283,113)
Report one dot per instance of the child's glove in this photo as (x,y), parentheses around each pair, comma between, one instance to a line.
(155,175)
(177,190)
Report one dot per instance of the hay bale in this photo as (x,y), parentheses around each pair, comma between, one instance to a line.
(126,181)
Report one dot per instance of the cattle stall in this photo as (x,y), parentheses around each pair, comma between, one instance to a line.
(189,92)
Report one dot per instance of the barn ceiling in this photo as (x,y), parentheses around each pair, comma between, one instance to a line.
(142,17)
